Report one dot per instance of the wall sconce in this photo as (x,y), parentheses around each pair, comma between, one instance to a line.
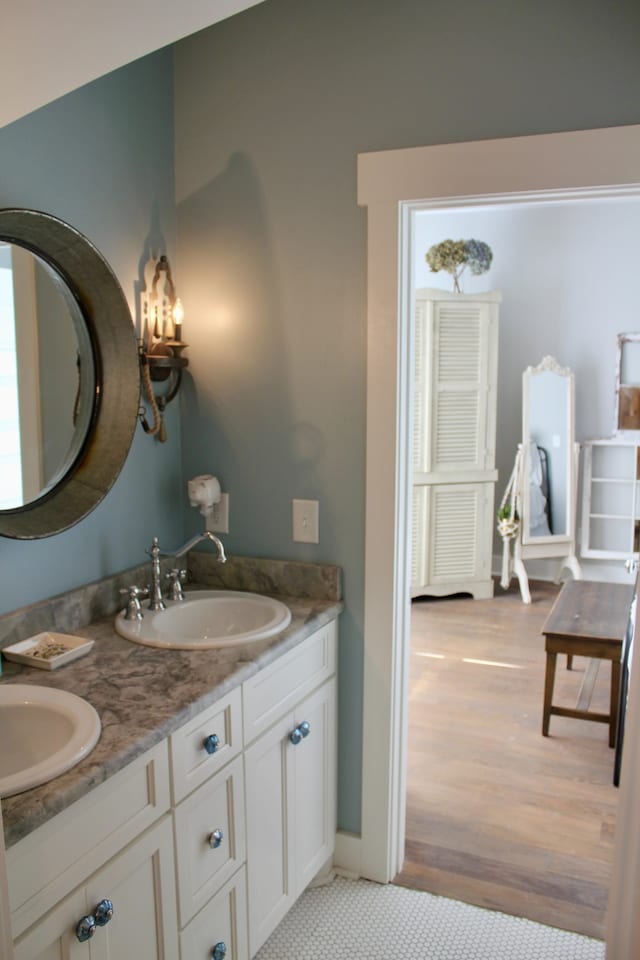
(161,344)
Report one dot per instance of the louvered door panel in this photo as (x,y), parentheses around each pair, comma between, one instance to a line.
(454,544)
(459,387)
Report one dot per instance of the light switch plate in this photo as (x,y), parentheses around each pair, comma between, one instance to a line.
(219,521)
(305,516)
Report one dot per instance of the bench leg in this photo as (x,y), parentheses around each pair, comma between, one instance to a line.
(614,701)
(549,679)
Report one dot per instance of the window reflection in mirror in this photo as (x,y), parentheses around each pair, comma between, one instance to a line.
(47,377)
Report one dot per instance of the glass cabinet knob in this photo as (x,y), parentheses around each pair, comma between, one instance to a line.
(300,732)
(86,928)
(216,838)
(211,743)
(103,912)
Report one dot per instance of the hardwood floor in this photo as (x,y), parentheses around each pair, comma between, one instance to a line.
(498,815)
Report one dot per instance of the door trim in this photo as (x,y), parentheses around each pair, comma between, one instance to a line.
(392,184)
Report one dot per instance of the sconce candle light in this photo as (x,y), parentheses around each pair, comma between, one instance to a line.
(161,344)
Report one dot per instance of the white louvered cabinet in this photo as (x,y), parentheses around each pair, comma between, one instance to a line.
(454,413)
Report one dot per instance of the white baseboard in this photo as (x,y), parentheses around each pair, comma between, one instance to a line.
(347,857)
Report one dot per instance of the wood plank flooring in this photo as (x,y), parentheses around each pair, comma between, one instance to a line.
(498,815)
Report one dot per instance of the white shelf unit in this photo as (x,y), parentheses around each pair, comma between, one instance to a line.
(611,499)
(455,388)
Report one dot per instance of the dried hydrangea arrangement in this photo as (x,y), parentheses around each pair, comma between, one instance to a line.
(455,255)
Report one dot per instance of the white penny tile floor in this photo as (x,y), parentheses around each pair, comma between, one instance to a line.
(359,920)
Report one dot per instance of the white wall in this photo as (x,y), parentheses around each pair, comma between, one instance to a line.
(49,49)
(568,276)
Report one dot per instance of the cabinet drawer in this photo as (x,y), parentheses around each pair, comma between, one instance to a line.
(273,691)
(217,805)
(191,764)
(223,920)
(59,855)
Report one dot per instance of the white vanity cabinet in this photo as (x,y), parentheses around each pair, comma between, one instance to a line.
(202,844)
(290,771)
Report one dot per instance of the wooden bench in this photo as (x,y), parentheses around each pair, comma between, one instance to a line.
(588,619)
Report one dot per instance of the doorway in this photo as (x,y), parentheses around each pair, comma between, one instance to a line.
(554,299)
(568,162)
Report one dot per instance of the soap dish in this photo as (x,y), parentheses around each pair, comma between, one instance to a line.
(48,651)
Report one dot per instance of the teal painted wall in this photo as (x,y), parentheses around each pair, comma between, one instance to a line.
(101,158)
(272,108)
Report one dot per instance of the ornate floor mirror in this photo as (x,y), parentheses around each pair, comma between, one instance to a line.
(538,511)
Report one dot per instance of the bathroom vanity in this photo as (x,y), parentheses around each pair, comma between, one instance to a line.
(206,808)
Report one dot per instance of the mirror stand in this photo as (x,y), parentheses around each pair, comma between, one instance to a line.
(538,508)
(564,550)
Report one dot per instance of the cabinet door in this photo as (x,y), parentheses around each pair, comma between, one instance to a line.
(140,883)
(452,539)
(291,809)
(314,793)
(269,800)
(455,386)
(53,937)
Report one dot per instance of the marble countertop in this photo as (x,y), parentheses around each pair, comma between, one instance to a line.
(143,694)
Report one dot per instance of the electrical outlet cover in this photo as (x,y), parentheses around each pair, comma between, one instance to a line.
(219,520)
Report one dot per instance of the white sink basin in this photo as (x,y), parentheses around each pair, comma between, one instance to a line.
(45,732)
(206,619)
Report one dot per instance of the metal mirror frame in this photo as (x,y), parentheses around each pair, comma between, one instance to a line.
(104,308)
(549,365)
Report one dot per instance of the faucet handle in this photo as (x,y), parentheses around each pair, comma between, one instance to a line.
(134,611)
(177,578)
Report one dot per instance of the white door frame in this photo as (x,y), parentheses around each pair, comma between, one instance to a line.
(391,184)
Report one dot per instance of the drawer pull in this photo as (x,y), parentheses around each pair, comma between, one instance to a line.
(219,952)
(104,912)
(86,928)
(211,743)
(300,732)
(216,838)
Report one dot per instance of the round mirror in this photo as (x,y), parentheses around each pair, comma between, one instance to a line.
(47,377)
(69,384)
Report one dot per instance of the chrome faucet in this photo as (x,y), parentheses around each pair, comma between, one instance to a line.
(156,601)
(199,537)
